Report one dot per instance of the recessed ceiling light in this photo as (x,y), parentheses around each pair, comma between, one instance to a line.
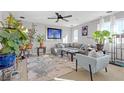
(22,17)
(109,12)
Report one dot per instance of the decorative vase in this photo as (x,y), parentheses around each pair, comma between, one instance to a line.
(7,60)
(99,47)
(23,47)
(42,44)
(29,46)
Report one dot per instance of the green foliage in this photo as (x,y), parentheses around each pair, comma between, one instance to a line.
(101,36)
(12,36)
(40,38)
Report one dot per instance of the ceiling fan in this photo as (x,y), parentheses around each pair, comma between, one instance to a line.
(59,16)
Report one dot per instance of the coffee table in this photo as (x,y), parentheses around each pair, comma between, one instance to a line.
(70,51)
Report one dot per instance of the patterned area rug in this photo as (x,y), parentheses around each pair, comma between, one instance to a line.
(48,67)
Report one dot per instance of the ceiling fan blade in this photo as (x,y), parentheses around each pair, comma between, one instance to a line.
(67,16)
(52,18)
(57,14)
(65,20)
(57,20)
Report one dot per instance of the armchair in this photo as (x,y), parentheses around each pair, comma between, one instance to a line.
(92,64)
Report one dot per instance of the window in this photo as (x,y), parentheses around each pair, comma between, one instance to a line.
(119,29)
(105,26)
(119,26)
(65,39)
(75,36)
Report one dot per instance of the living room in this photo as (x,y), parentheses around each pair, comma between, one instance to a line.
(61,46)
(64,35)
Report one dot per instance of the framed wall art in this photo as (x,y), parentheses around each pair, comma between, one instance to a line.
(84,30)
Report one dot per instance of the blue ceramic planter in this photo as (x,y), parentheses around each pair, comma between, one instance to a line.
(7,60)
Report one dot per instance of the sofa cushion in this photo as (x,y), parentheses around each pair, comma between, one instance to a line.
(76,45)
(70,44)
(67,45)
(60,45)
(84,47)
(93,46)
(82,51)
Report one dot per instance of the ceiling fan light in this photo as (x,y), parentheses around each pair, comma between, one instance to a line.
(109,12)
(22,17)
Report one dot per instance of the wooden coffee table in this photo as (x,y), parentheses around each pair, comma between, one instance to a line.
(69,51)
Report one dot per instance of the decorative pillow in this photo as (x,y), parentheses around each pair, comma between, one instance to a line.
(70,45)
(76,45)
(60,45)
(95,54)
(93,46)
(82,46)
(67,45)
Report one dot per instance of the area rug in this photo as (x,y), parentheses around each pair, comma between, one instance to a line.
(48,67)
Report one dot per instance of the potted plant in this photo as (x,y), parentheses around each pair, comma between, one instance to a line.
(24,44)
(40,39)
(100,37)
(12,36)
(31,33)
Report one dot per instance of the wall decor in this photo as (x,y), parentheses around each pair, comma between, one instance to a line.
(84,30)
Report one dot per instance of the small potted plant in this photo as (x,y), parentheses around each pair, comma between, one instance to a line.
(40,39)
(12,35)
(100,37)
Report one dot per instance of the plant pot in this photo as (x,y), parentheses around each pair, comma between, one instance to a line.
(23,47)
(29,46)
(99,47)
(7,60)
(42,44)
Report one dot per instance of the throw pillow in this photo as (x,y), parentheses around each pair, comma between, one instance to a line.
(60,45)
(82,46)
(95,54)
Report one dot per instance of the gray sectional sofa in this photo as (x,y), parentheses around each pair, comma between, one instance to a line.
(82,48)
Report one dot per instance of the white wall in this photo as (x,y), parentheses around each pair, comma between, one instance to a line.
(92,26)
(0,15)
(2,18)
(42,29)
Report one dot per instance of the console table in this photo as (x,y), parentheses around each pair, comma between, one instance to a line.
(38,50)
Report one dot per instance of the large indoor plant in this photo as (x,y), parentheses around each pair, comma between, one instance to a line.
(40,39)
(12,35)
(31,35)
(100,37)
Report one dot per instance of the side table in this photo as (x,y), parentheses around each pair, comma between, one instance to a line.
(38,50)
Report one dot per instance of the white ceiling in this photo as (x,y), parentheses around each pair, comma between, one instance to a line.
(78,17)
